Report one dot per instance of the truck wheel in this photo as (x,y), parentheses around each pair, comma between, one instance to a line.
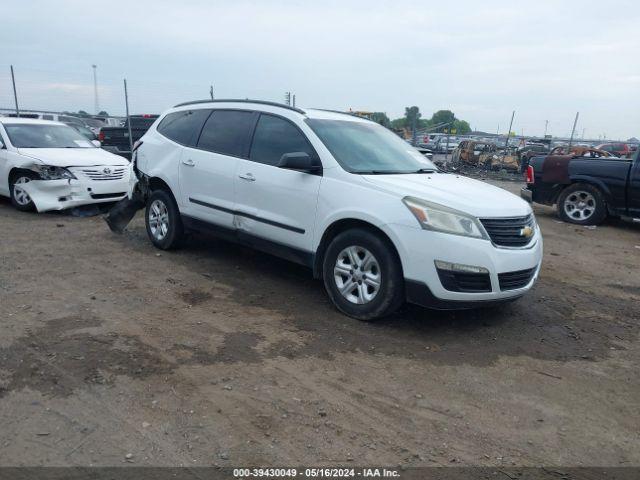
(19,198)
(582,204)
(362,275)
(163,222)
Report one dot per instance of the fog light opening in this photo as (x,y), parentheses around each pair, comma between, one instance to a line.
(459,267)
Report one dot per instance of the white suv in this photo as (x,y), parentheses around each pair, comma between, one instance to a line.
(342,195)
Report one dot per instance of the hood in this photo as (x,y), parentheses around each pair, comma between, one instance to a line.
(73,157)
(465,194)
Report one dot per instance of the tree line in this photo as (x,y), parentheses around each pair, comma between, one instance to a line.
(444,118)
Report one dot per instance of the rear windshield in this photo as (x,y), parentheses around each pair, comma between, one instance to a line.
(45,136)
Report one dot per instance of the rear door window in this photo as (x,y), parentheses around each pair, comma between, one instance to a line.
(183,127)
(228,132)
(275,136)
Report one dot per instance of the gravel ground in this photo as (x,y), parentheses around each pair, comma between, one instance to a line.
(113,353)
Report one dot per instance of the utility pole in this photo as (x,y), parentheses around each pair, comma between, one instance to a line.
(506,144)
(546,125)
(211,92)
(96,104)
(287,98)
(15,94)
(573,131)
(294,100)
(583,134)
(126,103)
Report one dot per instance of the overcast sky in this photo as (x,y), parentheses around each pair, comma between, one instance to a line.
(545,59)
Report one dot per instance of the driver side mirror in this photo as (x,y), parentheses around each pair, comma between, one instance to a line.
(300,161)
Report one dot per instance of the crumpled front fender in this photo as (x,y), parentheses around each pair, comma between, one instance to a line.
(45,194)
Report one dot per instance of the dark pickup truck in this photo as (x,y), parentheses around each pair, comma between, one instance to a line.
(586,187)
(116,139)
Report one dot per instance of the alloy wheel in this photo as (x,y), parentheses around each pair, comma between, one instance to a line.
(357,275)
(21,197)
(580,205)
(158,220)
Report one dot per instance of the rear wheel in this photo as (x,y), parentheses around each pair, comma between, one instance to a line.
(362,275)
(19,198)
(163,222)
(582,204)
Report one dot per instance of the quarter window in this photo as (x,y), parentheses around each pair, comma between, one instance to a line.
(227,132)
(183,127)
(275,136)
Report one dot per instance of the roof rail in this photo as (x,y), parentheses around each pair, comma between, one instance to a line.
(238,100)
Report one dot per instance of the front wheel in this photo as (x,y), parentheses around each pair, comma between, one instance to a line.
(163,222)
(362,275)
(20,199)
(582,204)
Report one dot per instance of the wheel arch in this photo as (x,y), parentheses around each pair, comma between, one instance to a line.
(341,225)
(594,182)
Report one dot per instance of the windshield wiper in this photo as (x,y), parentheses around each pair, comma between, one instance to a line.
(394,172)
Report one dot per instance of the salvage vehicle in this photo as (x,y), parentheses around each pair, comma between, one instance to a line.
(116,139)
(469,152)
(586,187)
(500,159)
(446,146)
(616,149)
(580,151)
(48,165)
(370,215)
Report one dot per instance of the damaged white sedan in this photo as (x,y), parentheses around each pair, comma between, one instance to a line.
(49,166)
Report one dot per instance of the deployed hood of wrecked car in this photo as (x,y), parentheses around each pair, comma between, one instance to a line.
(461,193)
(73,157)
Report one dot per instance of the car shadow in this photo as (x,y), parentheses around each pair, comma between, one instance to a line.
(541,324)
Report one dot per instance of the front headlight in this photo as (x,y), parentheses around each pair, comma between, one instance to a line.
(48,172)
(439,218)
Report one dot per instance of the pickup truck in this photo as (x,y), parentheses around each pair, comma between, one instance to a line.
(116,139)
(585,185)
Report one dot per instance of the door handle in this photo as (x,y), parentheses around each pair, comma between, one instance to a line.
(248,177)
(189,163)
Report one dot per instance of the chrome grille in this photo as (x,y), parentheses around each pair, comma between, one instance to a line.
(509,232)
(104,173)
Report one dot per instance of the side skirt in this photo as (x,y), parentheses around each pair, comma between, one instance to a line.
(292,254)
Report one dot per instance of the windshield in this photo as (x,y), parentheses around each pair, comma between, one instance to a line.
(366,147)
(24,135)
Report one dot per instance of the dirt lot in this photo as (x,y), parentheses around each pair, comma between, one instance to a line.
(219,355)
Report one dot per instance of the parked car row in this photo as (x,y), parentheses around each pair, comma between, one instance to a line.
(372,217)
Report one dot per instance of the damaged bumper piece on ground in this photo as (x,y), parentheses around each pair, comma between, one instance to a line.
(122,212)
(91,185)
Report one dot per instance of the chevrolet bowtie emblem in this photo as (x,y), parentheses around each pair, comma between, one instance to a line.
(526,232)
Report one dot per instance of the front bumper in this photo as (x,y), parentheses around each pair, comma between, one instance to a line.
(419,249)
(50,195)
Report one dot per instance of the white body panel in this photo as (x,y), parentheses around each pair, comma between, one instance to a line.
(295,209)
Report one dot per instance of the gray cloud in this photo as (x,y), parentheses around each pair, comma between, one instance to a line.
(545,59)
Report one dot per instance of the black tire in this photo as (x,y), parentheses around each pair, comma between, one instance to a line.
(15,178)
(173,236)
(593,200)
(390,293)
